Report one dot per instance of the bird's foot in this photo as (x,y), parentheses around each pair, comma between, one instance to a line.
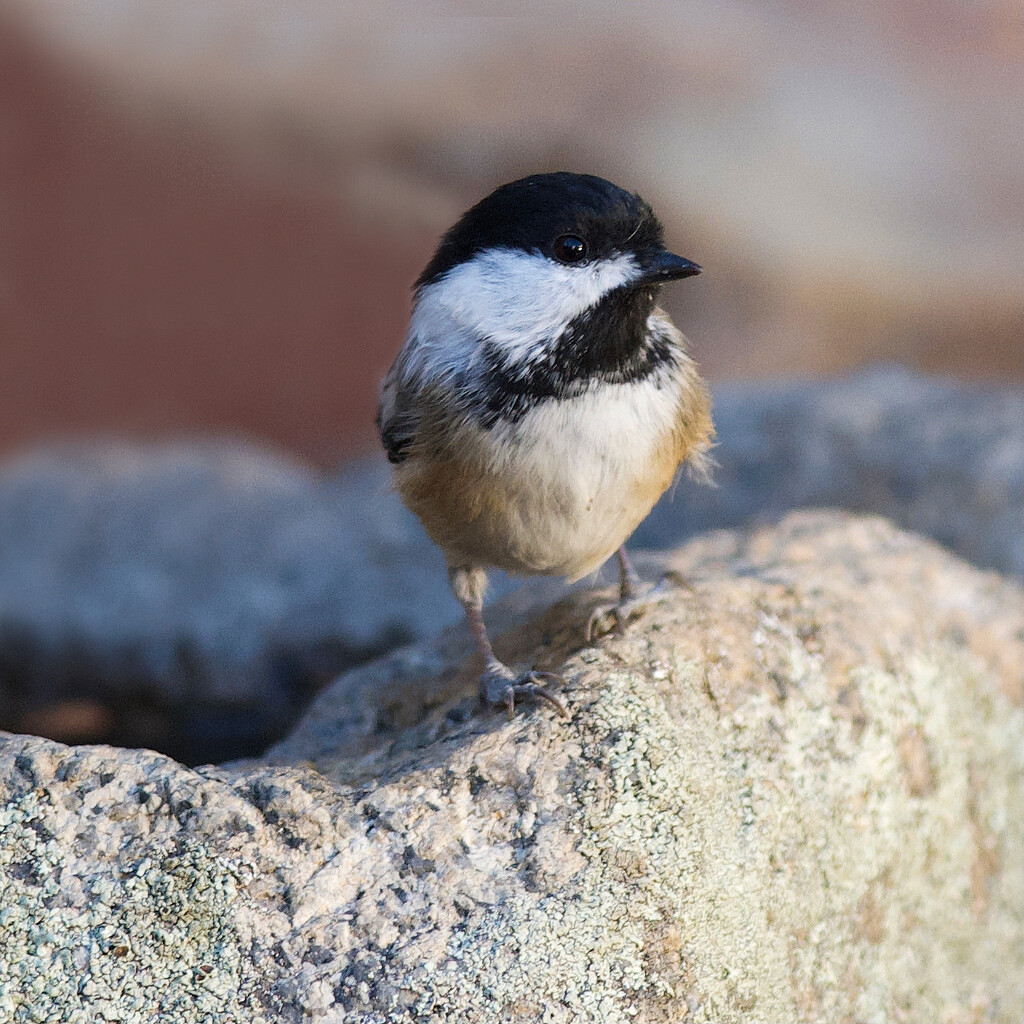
(500,687)
(638,599)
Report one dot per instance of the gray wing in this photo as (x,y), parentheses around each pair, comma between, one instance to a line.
(422,387)
(397,414)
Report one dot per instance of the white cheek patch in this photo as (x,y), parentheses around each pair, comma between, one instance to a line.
(518,300)
(436,347)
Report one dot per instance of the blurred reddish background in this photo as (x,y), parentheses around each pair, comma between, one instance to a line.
(211,215)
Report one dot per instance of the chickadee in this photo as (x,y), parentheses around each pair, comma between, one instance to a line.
(542,402)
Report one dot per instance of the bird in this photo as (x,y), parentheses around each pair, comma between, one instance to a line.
(542,401)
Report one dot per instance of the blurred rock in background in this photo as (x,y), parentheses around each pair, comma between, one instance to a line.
(940,457)
(213,213)
(193,596)
(197,593)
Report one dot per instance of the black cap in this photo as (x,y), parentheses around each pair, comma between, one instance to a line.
(532,213)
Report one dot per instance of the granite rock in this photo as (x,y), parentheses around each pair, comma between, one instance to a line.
(791,791)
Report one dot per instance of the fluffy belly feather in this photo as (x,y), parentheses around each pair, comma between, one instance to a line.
(557,492)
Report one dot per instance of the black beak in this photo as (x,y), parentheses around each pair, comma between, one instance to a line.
(658,266)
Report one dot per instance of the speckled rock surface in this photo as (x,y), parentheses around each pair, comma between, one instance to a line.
(791,791)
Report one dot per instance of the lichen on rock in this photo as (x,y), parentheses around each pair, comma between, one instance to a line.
(792,791)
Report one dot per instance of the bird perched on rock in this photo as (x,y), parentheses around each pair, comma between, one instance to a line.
(542,402)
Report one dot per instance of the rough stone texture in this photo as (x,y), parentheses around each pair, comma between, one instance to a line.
(201,593)
(792,791)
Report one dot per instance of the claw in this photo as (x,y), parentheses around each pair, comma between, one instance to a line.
(597,617)
(499,687)
(629,608)
(532,690)
(673,577)
(621,613)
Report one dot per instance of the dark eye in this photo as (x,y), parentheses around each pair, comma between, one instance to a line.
(570,249)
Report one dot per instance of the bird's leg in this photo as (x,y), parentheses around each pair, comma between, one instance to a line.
(629,581)
(499,685)
(635,597)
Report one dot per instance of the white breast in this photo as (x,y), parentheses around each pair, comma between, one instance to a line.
(584,471)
